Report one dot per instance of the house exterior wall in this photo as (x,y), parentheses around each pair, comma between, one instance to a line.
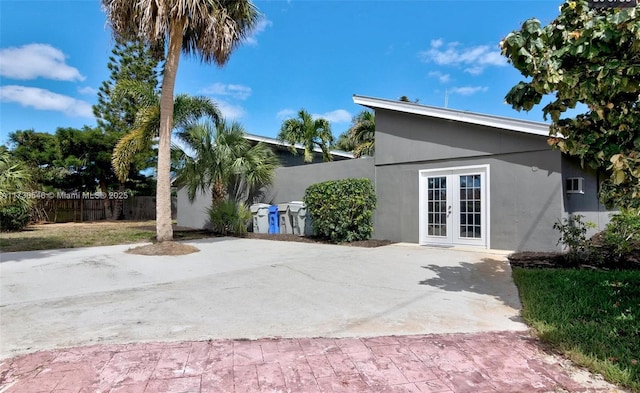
(289,185)
(404,138)
(524,203)
(193,215)
(291,182)
(525,187)
(586,204)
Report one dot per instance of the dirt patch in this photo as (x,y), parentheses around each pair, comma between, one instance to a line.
(311,239)
(164,248)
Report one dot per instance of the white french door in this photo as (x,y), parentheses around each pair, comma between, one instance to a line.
(454,206)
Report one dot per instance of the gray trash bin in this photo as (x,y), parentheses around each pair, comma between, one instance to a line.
(300,221)
(260,213)
(284,218)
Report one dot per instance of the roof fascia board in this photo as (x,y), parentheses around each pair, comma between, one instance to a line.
(276,142)
(529,127)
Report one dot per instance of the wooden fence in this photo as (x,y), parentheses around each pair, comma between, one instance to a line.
(80,209)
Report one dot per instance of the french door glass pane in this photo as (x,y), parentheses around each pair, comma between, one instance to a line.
(437,205)
(470,206)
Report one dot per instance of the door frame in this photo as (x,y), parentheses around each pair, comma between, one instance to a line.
(484,170)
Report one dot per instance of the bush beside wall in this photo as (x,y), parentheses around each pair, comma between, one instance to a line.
(342,210)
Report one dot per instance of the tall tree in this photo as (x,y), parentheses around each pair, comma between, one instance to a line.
(363,134)
(41,152)
(70,159)
(211,29)
(129,61)
(85,155)
(591,57)
(310,133)
(187,110)
(220,159)
(116,111)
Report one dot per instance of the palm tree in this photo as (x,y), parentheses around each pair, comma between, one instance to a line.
(211,29)
(187,110)
(344,142)
(223,161)
(308,132)
(362,134)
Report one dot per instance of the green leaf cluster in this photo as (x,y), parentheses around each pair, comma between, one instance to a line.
(591,57)
(622,235)
(14,217)
(229,217)
(310,132)
(15,178)
(342,210)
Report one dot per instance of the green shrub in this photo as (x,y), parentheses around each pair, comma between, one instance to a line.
(342,210)
(229,217)
(573,234)
(622,234)
(14,217)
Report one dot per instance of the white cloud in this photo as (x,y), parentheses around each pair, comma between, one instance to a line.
(260,27)
(437,43)
(337,116)
(36,61)
(443,78)
(285,114)
(45,100)
(474,58)
(467,90)
(230,111)
(239,92)
(88,90)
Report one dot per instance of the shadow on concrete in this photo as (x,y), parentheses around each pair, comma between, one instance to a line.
(490,277)
(57,247)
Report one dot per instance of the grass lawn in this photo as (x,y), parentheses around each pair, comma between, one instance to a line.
(100,233)
(593,317)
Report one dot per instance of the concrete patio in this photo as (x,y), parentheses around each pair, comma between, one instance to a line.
(399,318)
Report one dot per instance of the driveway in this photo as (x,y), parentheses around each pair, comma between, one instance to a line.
(247,288)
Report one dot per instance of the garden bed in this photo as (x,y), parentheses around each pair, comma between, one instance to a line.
(370,243)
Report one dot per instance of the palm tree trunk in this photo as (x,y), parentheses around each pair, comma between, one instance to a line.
(217,193)
(164,231)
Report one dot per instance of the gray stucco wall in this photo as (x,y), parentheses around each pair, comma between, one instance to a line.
(193,215)
(291,182)
(289,185)
(404,138)
(526,195)
(524,202)
(586,204)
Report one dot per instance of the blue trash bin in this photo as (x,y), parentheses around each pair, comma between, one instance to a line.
(273,220)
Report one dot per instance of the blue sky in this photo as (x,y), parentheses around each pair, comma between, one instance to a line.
(312,54)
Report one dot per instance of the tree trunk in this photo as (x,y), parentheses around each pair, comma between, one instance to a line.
(217,193)
(164,231)
(118,203)
(106,202)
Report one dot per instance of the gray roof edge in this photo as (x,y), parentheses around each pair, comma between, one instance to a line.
(272,141)
(526,126)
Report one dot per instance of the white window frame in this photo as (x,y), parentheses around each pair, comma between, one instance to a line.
(569,182)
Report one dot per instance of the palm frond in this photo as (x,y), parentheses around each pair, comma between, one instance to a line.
(212,28)
(126,148)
